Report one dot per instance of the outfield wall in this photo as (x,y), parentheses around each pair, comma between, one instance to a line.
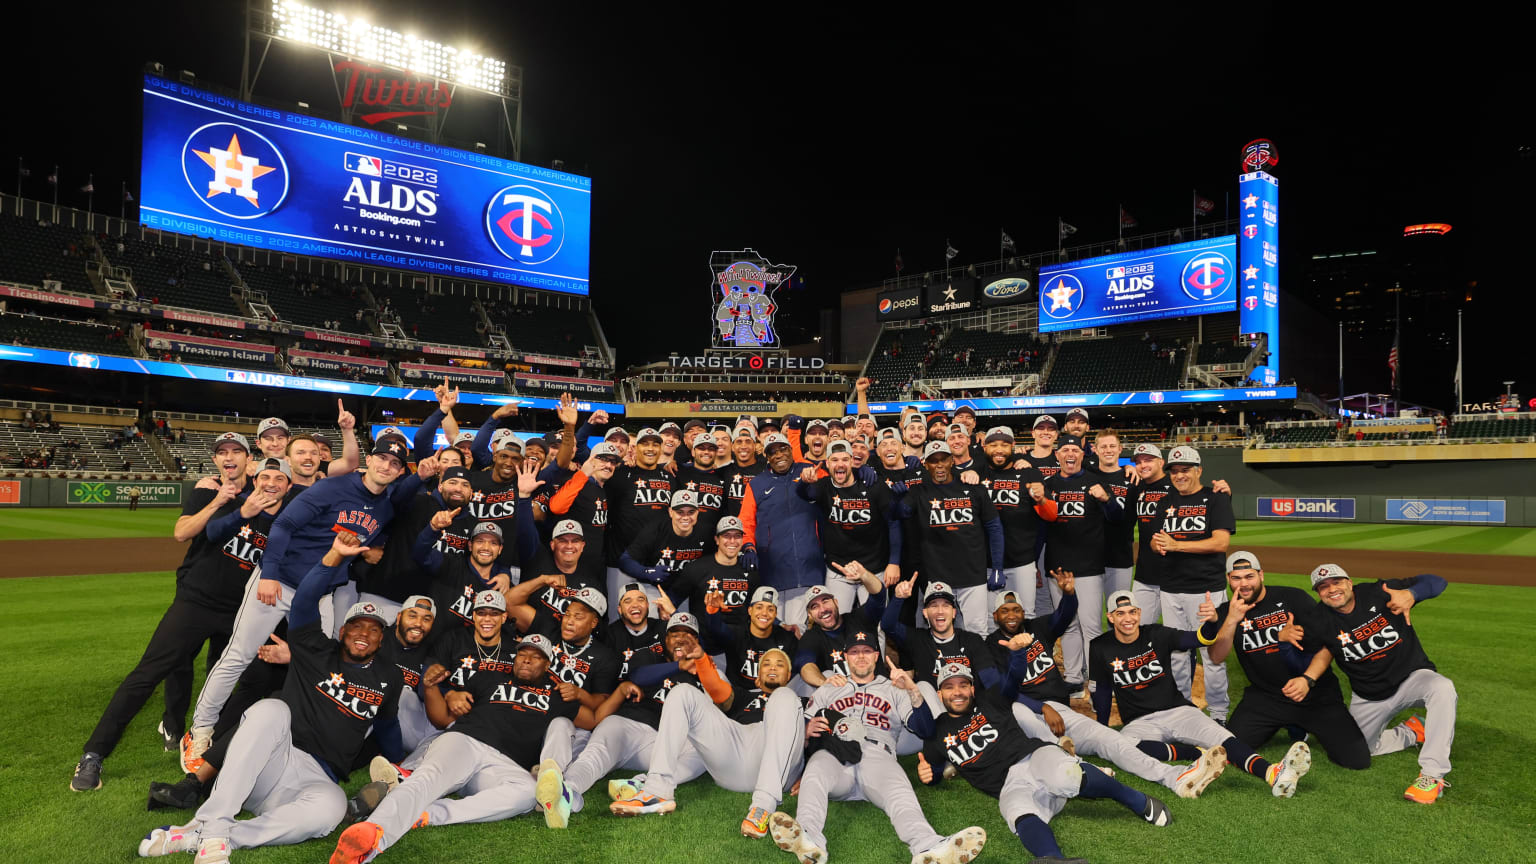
(56,492)
(1382,491)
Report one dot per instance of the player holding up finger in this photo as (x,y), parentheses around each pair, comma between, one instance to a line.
(1275,633)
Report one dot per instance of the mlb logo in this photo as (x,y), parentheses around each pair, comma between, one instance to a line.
(357,163)
(1115,273)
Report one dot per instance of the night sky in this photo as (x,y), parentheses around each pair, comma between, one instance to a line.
(828,138)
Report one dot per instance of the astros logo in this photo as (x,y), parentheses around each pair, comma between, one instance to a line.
(1206,276)
(235,170)
(1065,293)
(525,224)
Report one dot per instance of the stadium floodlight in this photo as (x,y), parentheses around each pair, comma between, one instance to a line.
(357,38)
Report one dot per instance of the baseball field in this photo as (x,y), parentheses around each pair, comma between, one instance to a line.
(72,636)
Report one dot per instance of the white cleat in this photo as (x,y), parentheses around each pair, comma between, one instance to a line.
(960,847)
(170,839)
(1200,774)
(1298,760)
(787,835)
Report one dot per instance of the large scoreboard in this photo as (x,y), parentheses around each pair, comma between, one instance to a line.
(1195,278)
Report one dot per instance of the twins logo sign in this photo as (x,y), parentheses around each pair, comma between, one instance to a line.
(525,224)
(234,170)
(1207,276)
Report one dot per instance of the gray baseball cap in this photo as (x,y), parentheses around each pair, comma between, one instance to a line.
(1147,450)
(1004,599)
(765,594)
(567,526)
(1323,572)
(271,464)
(1183,455)
(490,600)
(606,450)
(936,448)
(729,523)
(231,438)
(939,591)
(539,643)
(684,620)
(487,528)
(1243,561)
(999,433)
(816,422)
(839,446)
(1042,420)
(773,439)
(368,610)
(955,670)
(1078,412)
(684,498)
(269,424)
(645,433)
(464,435)
(592,599)
(1120,600)
(422,602)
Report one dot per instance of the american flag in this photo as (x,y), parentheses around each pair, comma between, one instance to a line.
(1392,362)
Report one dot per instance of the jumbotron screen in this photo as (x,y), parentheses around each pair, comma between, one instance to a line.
(274,179)
(1195,278)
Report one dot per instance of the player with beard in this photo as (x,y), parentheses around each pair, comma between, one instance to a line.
(771,513)
(744,464)
(1257,625)
(857,522)
(584,669)
(859,443)
(702,477)
(718,583)
(1078,507)
(284,761)
(636,633)
(639,496)
(958,438)
(954,536)
(914,436)
(932,648)
(816,438)
(665,549)
(400,570)
(1032,779)
(822,653)
(1119,537)
(898,470)
(1015,487)
(495,495)
(303,455)
(458,579)
(1076,424)
(671,439)
(582,500)
(746,644)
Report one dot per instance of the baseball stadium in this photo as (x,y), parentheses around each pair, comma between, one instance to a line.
(361,496)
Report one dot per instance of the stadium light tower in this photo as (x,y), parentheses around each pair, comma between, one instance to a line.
(366,60)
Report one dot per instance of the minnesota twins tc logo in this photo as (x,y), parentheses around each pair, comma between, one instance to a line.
(234,170)
(1207,275)
(525,224)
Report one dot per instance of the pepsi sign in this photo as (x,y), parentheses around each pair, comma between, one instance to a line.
(1306,508)
(274,179)
(899,305)
(1195,278)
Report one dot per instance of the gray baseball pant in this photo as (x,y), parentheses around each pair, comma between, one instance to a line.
(293,798)
(1045,600)
(1092,738)
(619,742)
(493,788)
(1087,624)
(792,608)
(1022,582)
(254,622)
(762,758)
(1424,687)
(975,606)
(1149,599)
(1185,724)
(563,742)
(1040,785)
(876,778)
(1117,579)
(416,731)
(1182,612)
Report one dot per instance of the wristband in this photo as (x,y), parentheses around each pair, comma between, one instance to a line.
(1311,682)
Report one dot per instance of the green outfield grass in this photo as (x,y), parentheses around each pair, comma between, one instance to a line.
(70,640)
(1468,539)
(52,523)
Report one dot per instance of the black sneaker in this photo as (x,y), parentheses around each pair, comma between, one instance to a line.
(171,741)
(185,794)
(362,805)
(87,774)
(1157,812)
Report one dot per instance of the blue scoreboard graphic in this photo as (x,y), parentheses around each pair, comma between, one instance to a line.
(275,179)
(1195,278)
(1258,248)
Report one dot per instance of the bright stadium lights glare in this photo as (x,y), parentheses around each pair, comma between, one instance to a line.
(357,38)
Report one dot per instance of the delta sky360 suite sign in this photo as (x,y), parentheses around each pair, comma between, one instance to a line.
(259,176)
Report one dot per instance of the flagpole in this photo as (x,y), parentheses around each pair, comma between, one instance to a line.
(1194,212)
(18,176)
(1341,369)
(90,195)
(1120,223)
(122,203)
(1458,363)
(55,189)
(1397,344)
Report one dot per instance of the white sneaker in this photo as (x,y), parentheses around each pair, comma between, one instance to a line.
(169,839)
(1200,774)
(788,836)
(1298,760)
(213,850)
(960,847)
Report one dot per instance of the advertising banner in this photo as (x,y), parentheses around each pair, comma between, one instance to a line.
(1259,252)
(899,305)
(593,386)
(1006,404)
(742,294)
(116,492)
(1195,278)
(201,346)
(955,293)
(1012,288)
(1453,510)
(1306,508)
(428,370)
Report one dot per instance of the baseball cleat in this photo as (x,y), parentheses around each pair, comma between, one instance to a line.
(213,850)
(642,803)
(170,839)
(1066,743)
(1297,761)
(184,794)
(357,844)
(168,739)
(87,776)
(1416,726)
(1426,789)
(381,770)
(1056,859)
(1157,812)
(553,797)
(422,821)
(367,800)
(756,823)
(623,790)
(788,836)
(1200,774)
(960,847)
(193,745)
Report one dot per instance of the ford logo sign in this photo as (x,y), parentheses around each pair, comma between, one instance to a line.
(1004,289)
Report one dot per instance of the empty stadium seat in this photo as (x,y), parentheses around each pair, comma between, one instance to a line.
(1094,365)
(33,253)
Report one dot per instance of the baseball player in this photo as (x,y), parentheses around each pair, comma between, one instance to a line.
(636,631)
(914,435)
(664,548)
(625,731)
(742,466)
(1130,665)
(931,648)
(869,708)
(209,584)
(1197,527)
(1379,650)
(500,710)
(582,501)
(822,652)
(856,521)
(639,496)
(1076,425)
(1119,535)
(954,536)
(1031,779)
(704,477)
(785,524)
(747,643)
(749,743)
(585,670)
(1041,701)
(717,584)
(560,577)
(1014,485)
(360,504)
(1152,487)
(1255,625)
(284,761)
(892,466)
(1078,507)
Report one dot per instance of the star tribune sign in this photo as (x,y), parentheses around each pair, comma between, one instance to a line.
(236,171)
